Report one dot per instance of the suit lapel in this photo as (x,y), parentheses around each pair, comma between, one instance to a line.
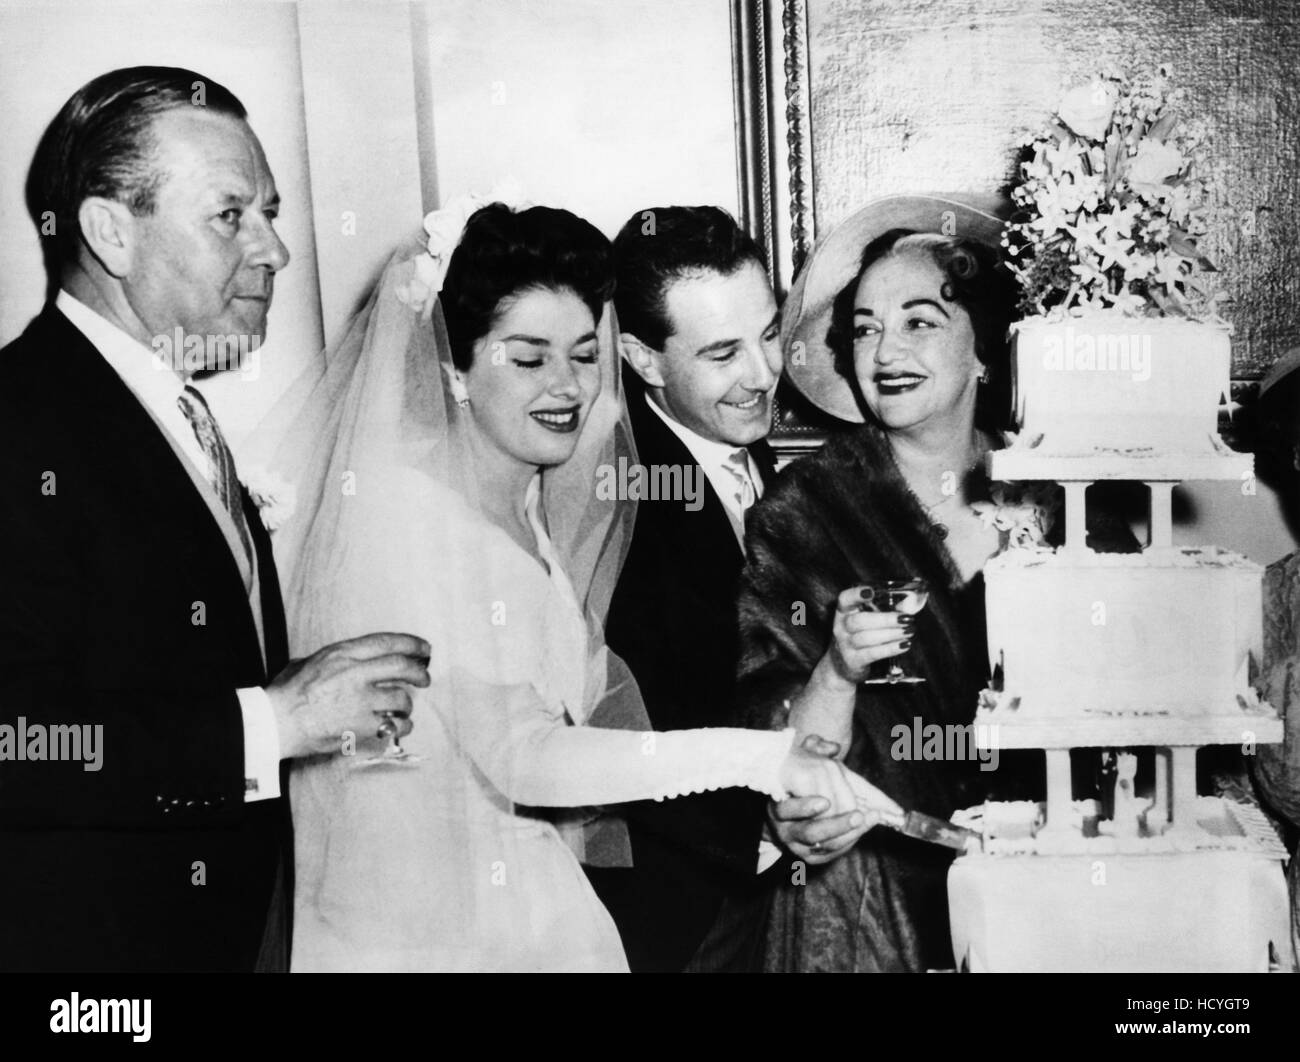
(273,621)
(142,455)
(762,456)
(656,444)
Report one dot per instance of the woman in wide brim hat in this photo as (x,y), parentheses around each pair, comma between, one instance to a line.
(837,260)
(898,321)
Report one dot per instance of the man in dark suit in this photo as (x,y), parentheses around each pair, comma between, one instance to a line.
(146,701)
(701,339)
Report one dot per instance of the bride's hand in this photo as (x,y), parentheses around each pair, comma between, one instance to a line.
(821,836)
(875,806)
(804,774)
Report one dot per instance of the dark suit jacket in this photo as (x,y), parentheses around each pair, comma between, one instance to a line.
(673,619)
(123,606)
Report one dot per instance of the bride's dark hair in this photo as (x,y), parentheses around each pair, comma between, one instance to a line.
(503,254)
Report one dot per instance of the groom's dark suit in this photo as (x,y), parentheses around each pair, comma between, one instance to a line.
(122,604)
(673,620)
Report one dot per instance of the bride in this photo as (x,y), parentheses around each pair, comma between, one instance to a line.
(447,461)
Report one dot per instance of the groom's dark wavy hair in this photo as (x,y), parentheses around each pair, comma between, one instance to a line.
(660,245)
(504,253)
(101,143)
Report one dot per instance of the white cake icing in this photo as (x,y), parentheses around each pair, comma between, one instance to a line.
(1082,635)
(1207,898)
(1121,651)
(1111,384)
(1190,912)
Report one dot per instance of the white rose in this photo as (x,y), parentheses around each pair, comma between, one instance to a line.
(446,225)
(1087,109)
(1154,163)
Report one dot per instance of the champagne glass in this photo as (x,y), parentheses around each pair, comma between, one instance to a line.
(393,755)
(907,596)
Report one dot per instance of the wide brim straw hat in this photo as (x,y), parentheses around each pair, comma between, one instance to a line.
(1281,373)
(834,263)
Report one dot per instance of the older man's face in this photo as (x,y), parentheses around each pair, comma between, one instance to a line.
(206,259)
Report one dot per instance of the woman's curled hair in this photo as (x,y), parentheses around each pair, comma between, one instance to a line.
(503,254)
(973,278)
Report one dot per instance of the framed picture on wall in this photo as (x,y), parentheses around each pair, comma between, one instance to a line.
(839,102)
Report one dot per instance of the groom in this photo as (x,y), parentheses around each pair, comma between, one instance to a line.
(701,337)
(146,701)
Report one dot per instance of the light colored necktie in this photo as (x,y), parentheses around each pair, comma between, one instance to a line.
(226,481)
(738,466)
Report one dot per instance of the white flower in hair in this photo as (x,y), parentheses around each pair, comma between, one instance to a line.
(444,227)
(275,498)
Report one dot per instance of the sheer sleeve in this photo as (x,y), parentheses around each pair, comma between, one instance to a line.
(517,671)
(536,759)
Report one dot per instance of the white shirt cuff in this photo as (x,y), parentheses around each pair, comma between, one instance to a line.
(261,745)
(768,854)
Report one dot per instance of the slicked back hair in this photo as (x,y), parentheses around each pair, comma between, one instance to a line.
(660,245)
(101,143)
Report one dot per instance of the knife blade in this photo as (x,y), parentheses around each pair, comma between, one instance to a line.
(937,831)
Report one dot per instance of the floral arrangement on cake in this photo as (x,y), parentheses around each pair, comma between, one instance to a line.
(1024,513)
(1111,203)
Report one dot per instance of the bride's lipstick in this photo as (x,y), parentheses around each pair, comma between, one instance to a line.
(562,421)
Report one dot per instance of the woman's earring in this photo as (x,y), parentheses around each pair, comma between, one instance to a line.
(458,392)
(984,376)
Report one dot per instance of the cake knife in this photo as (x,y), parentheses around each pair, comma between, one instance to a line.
(937,831)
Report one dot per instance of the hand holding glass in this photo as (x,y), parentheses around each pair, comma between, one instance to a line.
(907,596)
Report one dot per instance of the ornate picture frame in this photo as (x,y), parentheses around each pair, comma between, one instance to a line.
(838,102)
(774,168)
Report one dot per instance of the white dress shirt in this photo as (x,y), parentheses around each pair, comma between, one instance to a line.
(715,459)
(157,387)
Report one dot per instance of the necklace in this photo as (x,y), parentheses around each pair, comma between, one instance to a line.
(951,489)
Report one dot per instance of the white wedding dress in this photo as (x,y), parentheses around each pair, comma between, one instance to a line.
(442,866)
(468,860)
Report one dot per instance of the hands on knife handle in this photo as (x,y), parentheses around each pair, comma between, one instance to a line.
(797,824)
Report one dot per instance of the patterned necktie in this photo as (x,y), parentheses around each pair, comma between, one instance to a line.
(226,481)
(738,466)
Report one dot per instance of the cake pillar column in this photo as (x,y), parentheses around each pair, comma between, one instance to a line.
(1161,805)
(1060,790)
(1183,786)
(1161,512)
(1076,514)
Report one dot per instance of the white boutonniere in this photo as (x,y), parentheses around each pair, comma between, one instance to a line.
(1024,515)
(275,498)
(444,227)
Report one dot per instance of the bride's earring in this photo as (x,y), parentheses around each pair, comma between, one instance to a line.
(458,391)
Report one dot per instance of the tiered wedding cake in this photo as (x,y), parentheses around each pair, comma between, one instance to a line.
(1148,656)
